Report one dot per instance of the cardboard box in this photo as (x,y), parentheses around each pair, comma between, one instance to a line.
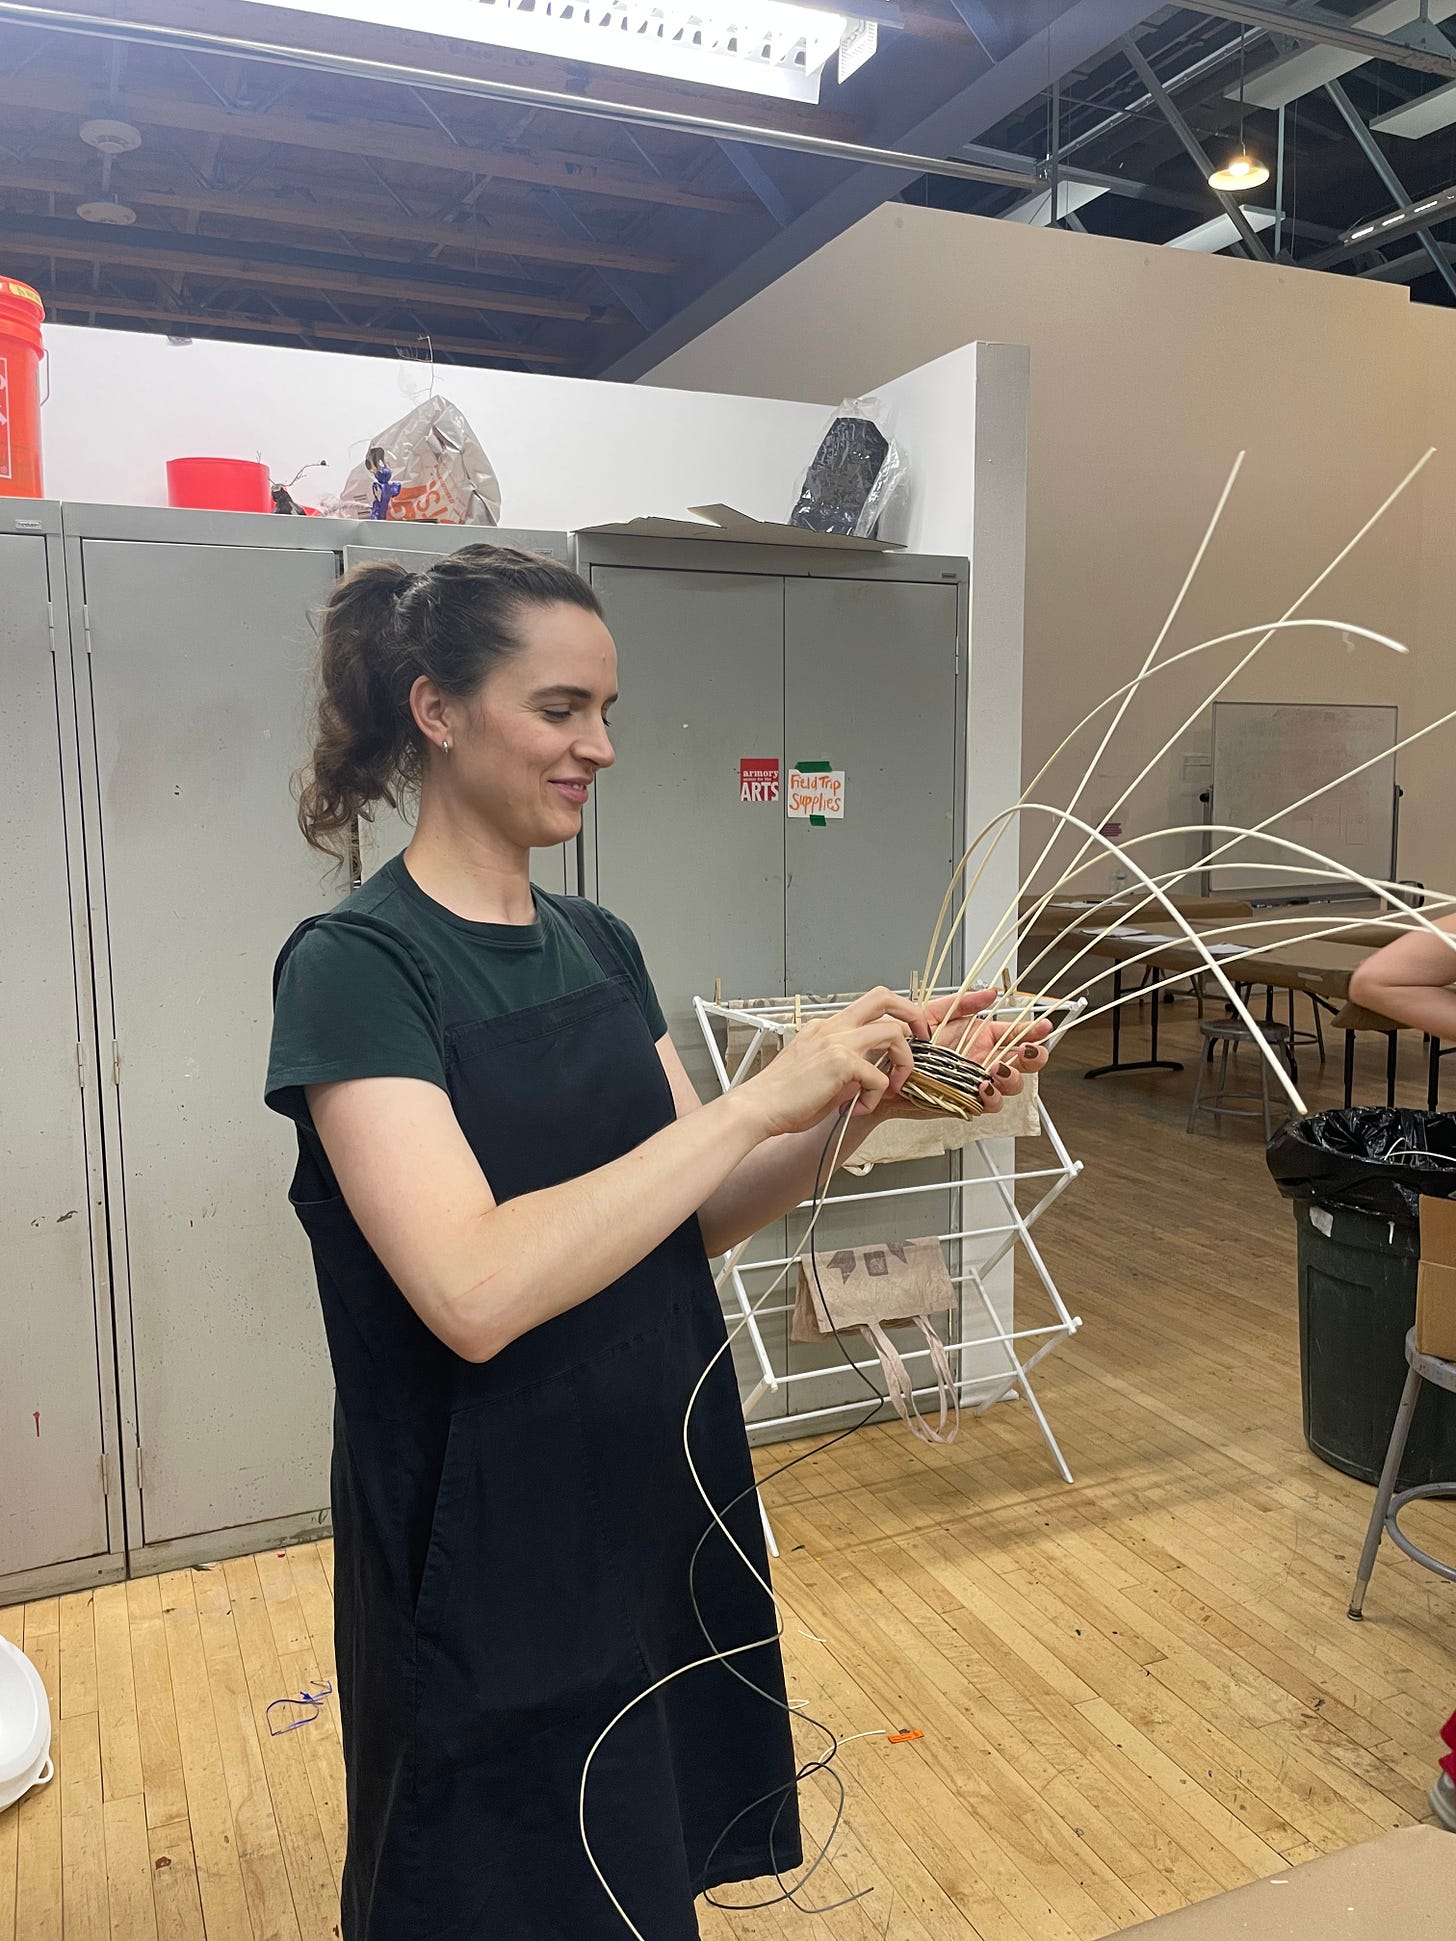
(1436,1287)
(721,522)
(1401,1887)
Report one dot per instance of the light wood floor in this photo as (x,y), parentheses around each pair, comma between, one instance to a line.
(1133,1693)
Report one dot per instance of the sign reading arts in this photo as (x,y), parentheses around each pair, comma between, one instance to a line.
(758,779)
(816,794)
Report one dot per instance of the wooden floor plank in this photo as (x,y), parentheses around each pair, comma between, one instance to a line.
(284,1756)
(175,1897)
(83,1833)
(257,1838)
(163,1784)
(121,1752)
(129,1870)
(209,1811)
(78,1654)
(39,1880)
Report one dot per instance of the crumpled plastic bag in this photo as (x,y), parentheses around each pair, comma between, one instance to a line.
(1375,1159)
(855,474)
(440,466)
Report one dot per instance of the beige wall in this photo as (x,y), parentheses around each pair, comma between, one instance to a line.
(1150,369)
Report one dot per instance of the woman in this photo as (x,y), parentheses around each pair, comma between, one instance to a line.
(1413,981)
(512,1193)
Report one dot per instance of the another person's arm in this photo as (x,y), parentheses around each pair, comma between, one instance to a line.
(1412,980)
(479,1274)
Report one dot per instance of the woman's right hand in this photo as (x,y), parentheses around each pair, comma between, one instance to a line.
(855,1057)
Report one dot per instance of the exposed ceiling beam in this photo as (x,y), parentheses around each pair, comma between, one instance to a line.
(108,306)
(1327,30)
(78,242)
(363,219)
(1196,151)
(583,174)
(1409,268)
(383,141)
(1074,36)
(1392,183)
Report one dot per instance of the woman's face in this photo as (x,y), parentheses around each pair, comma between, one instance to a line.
(525,751)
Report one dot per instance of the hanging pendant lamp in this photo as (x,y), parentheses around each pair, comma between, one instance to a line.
(1242,170)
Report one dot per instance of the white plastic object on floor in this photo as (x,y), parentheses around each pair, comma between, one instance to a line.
(25,1727)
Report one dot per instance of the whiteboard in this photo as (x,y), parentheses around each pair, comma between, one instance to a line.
(1268,754)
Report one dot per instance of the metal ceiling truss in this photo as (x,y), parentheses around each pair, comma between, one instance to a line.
(642,249)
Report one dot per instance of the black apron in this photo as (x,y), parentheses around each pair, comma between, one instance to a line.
(512,1543)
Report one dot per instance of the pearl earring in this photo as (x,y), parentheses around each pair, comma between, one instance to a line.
(445,746)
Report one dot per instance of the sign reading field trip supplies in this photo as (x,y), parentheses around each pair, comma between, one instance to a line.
(816,793)
(758,779)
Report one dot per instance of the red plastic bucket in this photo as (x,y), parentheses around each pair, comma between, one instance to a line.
(219,485)
(21,350)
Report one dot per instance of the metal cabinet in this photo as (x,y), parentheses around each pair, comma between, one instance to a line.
(197,661)
(165,1393)
(729,652)
(59,1501)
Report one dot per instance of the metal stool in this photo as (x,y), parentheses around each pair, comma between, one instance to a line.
(1389,1502)
(1229,1034)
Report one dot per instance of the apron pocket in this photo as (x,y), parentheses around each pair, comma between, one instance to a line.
(522,1618)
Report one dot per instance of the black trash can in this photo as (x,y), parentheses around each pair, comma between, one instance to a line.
(1356,1178)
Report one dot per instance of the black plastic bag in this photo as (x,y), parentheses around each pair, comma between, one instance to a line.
(852,478)
(1376,1159)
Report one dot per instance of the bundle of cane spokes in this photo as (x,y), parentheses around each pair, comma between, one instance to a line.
(945,1084)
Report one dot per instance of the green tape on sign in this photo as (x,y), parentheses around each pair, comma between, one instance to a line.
(815,768)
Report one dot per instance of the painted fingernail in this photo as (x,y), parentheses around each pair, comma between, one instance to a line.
(1003,1071)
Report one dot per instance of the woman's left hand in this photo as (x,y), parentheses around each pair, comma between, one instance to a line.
(983,1043)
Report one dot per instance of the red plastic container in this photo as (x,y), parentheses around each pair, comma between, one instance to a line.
(219,485)
(21,351)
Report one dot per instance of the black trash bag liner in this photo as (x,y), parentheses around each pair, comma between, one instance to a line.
(1376,1159)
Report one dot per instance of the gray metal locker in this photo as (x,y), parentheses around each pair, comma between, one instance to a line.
(387,832)
(733,651)
(698,874)
(872,685)
(197,657)
(57,1432)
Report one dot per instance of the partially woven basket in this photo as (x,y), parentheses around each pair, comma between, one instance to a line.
(945,1085)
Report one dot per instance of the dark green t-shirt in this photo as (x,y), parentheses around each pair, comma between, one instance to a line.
(371,989)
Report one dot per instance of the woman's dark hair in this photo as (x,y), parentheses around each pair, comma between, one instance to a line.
(382,628)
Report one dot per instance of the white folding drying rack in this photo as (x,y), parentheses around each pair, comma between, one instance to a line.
(979,1170)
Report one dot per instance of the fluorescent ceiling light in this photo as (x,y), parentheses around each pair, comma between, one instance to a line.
(1037,209)
(1424,214)
(1219,233)
(759,46)
(1420,117)
(1285,80)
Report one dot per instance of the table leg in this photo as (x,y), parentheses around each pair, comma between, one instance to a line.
(1119,1064)
(1391,1051)
(1433,1078)
(1349,1069)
